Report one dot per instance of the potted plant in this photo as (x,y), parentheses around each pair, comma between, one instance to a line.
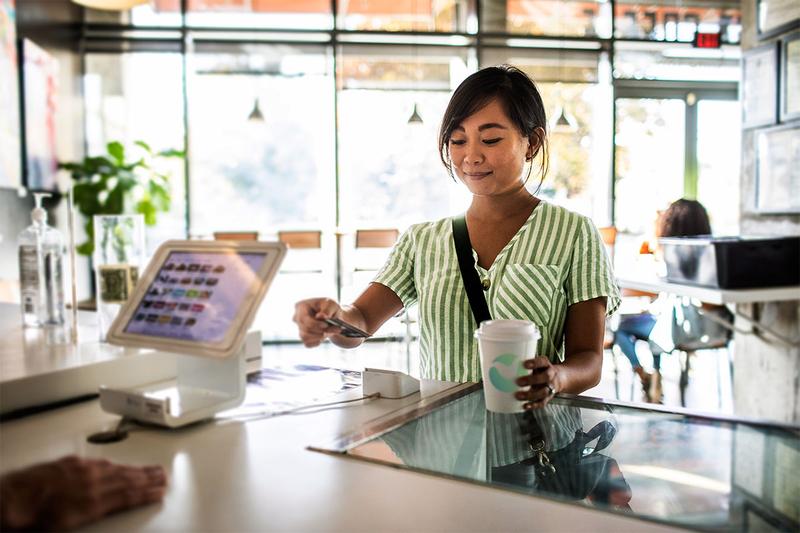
(111,184)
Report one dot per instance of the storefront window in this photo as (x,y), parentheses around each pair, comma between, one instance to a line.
(677,20)
(403,15)
(123,104)
(650,152)
(274,14)
(675,61)
(156,13)
(570,18)
(719,138)
(260,171)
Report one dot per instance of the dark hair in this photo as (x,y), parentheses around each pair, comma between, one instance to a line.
(517,94)
(684,218)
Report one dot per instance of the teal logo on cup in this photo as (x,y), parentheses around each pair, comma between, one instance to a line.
(504,365)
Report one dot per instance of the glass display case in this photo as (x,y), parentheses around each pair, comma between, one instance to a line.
(674,467)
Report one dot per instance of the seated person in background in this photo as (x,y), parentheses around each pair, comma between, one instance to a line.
(72,492)
(538,262)
(683,218)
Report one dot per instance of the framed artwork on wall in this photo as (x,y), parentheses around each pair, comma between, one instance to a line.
(10,153)
(777,184)
(790,77)
(776,16)
(39,82)
(759,87)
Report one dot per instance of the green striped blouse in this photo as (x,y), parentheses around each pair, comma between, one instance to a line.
(556,259)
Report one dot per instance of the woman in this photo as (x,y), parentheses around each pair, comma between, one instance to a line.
(538,262)
(683,218)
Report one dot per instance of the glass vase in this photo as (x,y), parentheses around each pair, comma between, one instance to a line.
(119,252)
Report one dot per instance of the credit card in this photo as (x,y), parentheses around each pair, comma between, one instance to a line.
(348,330)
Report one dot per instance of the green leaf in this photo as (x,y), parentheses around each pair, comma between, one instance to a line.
(115,203)
(69,166)
(86,248)
(144,145)
(171,153)
(148,210)
(106,184)
(117,151)
(85,195)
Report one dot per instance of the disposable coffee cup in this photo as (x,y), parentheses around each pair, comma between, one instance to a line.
(504,345)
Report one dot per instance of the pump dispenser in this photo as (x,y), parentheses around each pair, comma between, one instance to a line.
(41,270)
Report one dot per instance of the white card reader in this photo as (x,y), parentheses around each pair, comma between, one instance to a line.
(388,383)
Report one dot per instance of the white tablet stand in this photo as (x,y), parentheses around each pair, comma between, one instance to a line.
(204,386)
(211,374)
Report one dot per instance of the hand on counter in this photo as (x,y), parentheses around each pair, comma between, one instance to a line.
(72,491)
(541,382)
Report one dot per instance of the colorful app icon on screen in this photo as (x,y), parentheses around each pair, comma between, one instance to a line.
(190,322)
(197,308)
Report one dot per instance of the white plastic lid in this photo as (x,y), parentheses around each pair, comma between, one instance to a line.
(508,330)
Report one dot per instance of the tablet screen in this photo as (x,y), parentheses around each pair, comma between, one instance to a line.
(196,296)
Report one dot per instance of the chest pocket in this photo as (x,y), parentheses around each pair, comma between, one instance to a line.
(527,292)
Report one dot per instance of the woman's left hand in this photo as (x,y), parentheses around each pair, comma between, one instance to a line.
(542,383)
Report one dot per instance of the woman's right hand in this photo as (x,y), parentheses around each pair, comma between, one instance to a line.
(309,315)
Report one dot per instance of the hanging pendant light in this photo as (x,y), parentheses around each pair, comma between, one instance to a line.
(415,117)
(111,5)
(256,115)
(564,123)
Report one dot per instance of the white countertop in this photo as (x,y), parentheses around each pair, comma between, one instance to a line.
(651,283)
(256,475)
(40,366)
(259,476)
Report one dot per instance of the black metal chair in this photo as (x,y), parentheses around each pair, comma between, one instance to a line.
(695,328)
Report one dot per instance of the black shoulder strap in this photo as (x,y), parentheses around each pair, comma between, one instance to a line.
(472,283)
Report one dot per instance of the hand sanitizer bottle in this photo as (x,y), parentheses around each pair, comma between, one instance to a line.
(41,271)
